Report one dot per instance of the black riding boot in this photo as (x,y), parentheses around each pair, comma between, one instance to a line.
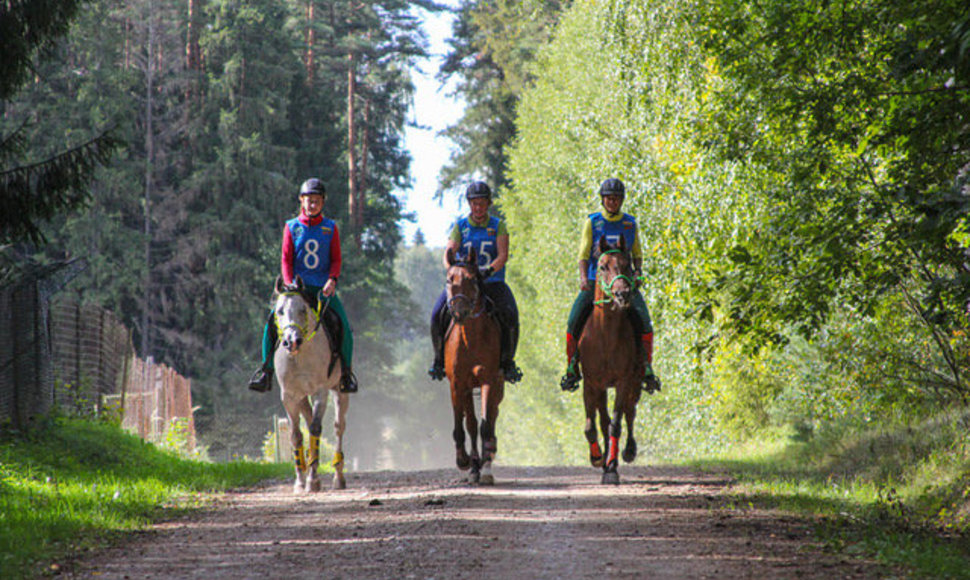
(348,380)
(262,380)
(437,370)
(512,372)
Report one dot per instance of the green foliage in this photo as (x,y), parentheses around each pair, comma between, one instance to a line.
(67,486)
(494,44)
(895,490)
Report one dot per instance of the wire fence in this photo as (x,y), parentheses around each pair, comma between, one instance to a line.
(79,358)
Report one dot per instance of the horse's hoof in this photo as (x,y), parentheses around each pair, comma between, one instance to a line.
(487,479)
(596,461)
(630,453)
(463,462)
(339,484)
(313,486)
(611,478)
(299,488)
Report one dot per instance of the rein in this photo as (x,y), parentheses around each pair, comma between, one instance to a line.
(304,330)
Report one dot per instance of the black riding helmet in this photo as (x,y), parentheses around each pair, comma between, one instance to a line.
(313,186)
(612,186)
(477,189)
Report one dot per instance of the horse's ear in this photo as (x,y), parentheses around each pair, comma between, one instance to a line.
(298,282)
(622,244)
(472,258)
(279,284)
(603,245)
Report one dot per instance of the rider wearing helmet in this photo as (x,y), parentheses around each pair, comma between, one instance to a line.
(490,239)
(311,250)
(613,224)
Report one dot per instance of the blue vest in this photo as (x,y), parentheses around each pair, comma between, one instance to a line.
(625,227)
(484,240)
(312,246)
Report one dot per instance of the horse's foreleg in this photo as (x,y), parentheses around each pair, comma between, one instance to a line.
(471,425)
(313,457)
(294,410)
(592,436)
(610,474)
(458,433)
(491,397)
(341,401)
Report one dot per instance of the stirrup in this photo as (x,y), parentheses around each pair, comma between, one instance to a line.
(261,381)
(512,372)
(651,384)
(348,382)
(436,372)
(569,381)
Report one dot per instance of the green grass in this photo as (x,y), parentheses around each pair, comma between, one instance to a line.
(73,484)
(898,495)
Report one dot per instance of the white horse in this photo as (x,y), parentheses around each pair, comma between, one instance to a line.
(304,371)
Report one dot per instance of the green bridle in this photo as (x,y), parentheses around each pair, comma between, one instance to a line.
(607,287)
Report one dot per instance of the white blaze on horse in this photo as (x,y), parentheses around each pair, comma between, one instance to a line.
(306,369)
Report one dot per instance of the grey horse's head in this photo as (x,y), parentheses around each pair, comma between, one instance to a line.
(296,321)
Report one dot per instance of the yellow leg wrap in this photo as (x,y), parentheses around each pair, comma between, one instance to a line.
(299,458)
(338,458)
(314,450)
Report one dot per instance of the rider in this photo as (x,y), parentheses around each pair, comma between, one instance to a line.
(490,239)
(613,224)
(311,250)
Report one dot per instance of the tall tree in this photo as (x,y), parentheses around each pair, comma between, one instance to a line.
(37,188)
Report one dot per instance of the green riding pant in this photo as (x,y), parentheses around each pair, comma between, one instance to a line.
(583,305)
(346,344)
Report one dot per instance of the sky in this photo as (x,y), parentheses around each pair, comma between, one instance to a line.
(433,111)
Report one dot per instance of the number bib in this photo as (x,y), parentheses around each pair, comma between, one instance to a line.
(484,240)
(625,227)
(312,250)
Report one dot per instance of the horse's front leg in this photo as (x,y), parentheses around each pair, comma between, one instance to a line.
(341,402)
(491,397)
(294,410)
(471,425)
(458,431)
(591,401)
(313,459)
(610,474)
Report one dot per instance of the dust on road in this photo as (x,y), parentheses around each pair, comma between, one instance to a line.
(536,522)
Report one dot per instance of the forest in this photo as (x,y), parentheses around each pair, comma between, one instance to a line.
(798,171)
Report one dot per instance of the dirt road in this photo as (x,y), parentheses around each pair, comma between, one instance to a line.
(534,523)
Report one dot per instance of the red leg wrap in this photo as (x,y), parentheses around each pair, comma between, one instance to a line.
(570,346)
(614,448)
(647,339)
(594,450)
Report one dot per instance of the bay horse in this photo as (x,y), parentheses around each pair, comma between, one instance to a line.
(471,358)
(306,369)
(610,359)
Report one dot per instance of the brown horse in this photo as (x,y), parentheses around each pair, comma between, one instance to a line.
(472,348)
(610,359)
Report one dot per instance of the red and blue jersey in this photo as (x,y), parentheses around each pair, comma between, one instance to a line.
(311,250)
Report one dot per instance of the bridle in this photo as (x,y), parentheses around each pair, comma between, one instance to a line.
(607,287)
(471,300)
(303,329)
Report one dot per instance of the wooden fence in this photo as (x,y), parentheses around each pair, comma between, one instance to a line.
(55,351)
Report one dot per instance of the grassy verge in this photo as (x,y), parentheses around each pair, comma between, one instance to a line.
(70,485)
(901,495)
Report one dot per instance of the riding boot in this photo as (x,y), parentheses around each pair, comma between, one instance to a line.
(510,370)
(437,370)
(570,381)
(348,380)
(651,384)
(262,380)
